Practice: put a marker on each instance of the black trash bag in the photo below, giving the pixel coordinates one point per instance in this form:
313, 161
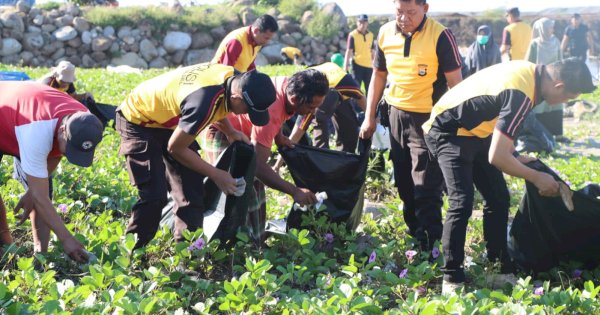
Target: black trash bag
545, 233
534, 137
340, 174
105, 112
224, 214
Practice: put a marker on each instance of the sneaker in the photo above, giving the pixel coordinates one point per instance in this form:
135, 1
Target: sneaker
450, 288
495, 281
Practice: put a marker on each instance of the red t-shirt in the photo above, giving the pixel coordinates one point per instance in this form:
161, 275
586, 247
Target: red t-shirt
30, 114
277, 116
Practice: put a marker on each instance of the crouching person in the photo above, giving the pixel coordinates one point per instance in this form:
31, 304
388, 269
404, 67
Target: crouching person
302, 94
471, 132
39, 125
158, 123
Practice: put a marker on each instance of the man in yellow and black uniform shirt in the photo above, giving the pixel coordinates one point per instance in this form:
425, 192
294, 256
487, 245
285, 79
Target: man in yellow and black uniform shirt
291, 56
483, 114
337, 107
419, 59
240, 47
158, 123
516, 36
360, 47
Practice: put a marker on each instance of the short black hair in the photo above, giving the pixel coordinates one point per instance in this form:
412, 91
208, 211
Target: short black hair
419, 2
266, 23
576, 16
514, 12
307, 84
574, 73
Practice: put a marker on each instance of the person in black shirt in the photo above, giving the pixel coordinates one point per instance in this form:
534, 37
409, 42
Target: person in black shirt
577, 39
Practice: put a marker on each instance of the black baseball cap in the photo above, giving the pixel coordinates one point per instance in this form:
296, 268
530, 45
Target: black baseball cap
258, 93
84, 132
577, 76
363, 17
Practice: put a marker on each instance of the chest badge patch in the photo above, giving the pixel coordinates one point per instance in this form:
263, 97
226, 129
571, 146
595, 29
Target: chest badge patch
422, 69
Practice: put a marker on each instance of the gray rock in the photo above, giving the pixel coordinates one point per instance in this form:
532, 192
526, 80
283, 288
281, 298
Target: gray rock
161, 51
87, 61
98, 56
148, 50
318, 48
18, 35
248, 18
23, 6
242, 3
86, 37
53, 14
333, 9
177, 57
201, 40
48, 28
11, 60
58, 54
272, 52
129, 40
297, 35
114, 48
288, 40
158, 63
195, 56
12, 20
33, 29
70, 51
124, 31
81, 24
75, 42
306, 17
306, 40
73, 10
109, 31
10, 46
130, 59
218, 32
38, 20
101, 43
286, 26
65, 33
50, 48
261, 60
74, 59
64, 20
26, 57
175, 41
34, 12
33, 41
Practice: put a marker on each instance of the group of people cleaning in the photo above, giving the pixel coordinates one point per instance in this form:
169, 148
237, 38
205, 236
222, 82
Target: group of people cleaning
444, 132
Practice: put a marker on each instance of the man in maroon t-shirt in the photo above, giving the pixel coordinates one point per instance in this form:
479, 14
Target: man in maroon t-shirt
39, 125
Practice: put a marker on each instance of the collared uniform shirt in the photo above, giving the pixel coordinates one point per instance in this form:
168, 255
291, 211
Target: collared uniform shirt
238, 50
362, 44
497, 97
190, 98
518, 36
416, 64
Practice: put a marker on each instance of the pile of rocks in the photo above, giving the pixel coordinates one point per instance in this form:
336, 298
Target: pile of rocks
34, 37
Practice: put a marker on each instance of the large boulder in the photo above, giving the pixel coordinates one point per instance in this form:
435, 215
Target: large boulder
333, 9
101, 43
195, 56
130, 59
12, 20
175, 41
33, 41
261, 60
272, 52
218, 32
201, 40
159, 63
10, 46
124, 31
148, 50
65, 33
64, 20
38, 20
23, 6
288, 40
81, 24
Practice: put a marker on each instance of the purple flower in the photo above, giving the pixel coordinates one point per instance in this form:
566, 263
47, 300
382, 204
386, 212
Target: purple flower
538, 291
63, 208
197, 245
576, 274
372, 257
421, 291
435, 253
403, 273
410, 254
329, 238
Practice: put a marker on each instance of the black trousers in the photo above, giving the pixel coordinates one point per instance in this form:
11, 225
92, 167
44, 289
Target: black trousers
464, 162
154, 173
362, 75
344, 121
417, 176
